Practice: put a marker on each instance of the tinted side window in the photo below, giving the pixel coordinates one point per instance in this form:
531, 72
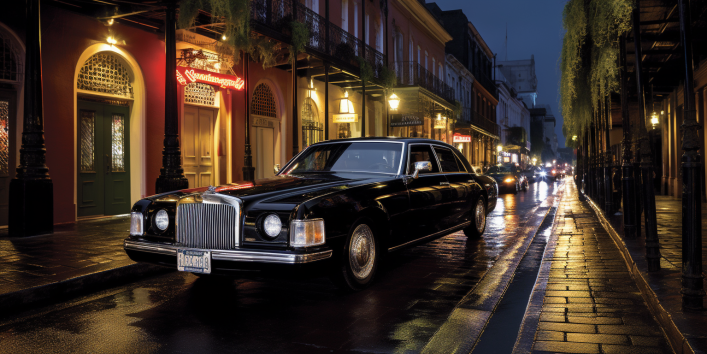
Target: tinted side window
447, 160
422, 152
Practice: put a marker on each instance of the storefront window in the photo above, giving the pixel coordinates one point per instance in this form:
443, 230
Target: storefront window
312, 129
4, 138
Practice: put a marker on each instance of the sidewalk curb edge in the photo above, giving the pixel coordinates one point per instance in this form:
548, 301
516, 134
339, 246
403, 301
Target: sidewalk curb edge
677, 340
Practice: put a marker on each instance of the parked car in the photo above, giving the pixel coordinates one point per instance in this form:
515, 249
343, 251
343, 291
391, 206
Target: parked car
338, 205
509, 177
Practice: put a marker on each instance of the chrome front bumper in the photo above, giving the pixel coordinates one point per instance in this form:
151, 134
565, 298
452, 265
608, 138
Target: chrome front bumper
231, 255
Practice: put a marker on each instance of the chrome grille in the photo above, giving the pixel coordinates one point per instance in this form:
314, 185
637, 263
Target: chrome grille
210, 226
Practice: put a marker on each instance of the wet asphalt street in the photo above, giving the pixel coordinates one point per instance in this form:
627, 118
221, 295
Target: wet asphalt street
414, 294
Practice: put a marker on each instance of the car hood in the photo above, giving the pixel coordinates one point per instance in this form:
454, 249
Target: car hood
286, 189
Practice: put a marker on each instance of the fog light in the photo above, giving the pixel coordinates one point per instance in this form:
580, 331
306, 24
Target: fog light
272, 225
305, 233
136, 223
162, 220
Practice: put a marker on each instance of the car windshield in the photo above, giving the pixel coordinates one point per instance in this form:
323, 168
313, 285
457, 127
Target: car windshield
348, 157
500, 170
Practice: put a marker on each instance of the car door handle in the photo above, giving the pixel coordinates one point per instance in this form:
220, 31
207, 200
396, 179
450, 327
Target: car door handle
443, 183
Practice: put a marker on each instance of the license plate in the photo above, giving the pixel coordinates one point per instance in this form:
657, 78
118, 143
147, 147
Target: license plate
194, 261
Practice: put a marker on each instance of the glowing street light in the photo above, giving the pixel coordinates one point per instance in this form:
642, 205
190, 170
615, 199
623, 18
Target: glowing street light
394, 101
499, 147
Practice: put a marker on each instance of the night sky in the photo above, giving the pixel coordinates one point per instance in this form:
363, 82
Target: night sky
534, 27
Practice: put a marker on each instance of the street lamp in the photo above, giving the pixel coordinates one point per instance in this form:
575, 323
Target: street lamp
499, 147
394, 101
574, 138
654, 119
534, 160
554, 162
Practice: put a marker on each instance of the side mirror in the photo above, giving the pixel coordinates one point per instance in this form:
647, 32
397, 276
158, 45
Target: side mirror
421, 166
277, 168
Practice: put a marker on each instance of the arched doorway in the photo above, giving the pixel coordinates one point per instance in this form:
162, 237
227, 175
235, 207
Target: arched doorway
11, 87
265, 130
105, 105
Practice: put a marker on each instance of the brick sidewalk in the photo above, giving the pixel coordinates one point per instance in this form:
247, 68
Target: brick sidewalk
591, 303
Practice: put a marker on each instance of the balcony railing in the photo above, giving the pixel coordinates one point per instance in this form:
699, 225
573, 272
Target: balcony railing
277, 15
487, 83
484, 123
409, 73
466, 115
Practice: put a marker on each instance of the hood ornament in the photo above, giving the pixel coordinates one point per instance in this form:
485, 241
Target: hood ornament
211, 190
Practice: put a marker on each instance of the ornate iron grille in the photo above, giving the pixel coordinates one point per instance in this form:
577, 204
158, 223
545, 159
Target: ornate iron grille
200, 93
312, 129
104, 72
263, 102
88, 121
8, 60
4, 138
118, 143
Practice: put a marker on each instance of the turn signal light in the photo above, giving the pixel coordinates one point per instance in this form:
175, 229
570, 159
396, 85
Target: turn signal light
306, 233
136, 220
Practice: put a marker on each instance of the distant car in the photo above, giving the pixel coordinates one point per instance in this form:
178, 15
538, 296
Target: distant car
541, 174
339, 204
532, 174
509, 177
556, 173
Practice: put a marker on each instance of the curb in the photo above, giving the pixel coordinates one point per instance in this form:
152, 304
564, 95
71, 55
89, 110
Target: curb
531, 318
25, 299
676, 339
465, 324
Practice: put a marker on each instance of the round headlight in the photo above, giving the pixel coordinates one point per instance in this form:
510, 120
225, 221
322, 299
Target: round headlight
272, 225
162, 220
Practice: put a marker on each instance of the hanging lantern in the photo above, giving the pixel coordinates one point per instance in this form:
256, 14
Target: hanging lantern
654, 119
394, 101
574, 138
345, 105
440, 122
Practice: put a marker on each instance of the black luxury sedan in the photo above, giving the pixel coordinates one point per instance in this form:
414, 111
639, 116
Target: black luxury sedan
338, 205
509, 177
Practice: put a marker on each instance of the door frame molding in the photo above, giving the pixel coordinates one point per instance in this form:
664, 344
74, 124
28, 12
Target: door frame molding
19, 88
137, 120
281, 135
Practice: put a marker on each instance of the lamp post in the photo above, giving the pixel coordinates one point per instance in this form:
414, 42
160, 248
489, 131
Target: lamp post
31, 191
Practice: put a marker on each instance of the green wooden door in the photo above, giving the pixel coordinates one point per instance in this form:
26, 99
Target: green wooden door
104, 159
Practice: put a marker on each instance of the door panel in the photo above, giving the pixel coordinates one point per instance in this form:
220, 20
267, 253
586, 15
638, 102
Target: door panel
117, 163
7, 160
103, 154
265, 155
429, 194
91, 173
458, 210
197, 145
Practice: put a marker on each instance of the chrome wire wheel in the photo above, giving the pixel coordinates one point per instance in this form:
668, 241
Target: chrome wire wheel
480, 216
362, 252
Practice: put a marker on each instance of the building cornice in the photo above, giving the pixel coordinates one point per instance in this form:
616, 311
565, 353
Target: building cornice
425, 18
481, 40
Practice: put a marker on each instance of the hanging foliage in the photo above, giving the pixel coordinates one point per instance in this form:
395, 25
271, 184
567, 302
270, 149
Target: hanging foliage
300, 37
588, 63
234, 15
388, 77
366, 70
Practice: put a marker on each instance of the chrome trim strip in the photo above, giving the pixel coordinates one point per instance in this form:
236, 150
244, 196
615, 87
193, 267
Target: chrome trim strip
436, 234
232, 255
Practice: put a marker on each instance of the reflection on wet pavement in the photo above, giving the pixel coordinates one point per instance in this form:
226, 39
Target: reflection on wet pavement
178, 312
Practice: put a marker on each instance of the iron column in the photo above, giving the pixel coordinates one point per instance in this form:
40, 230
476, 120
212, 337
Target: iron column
32, 190
652, 245
692, 288
627, 188
171, 174
248, 169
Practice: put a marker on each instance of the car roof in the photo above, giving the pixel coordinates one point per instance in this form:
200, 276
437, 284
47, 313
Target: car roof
387, 139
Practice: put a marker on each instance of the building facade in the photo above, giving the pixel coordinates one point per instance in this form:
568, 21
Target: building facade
104, 92
513, 118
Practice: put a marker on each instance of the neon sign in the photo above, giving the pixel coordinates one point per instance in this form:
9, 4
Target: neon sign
186, 75
459, 138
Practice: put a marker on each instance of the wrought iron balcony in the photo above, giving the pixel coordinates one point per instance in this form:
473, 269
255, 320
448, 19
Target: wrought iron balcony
409, 73
276, 16
484, 123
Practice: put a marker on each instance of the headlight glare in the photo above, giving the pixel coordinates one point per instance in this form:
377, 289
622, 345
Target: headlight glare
136, 223
162, 220
272, 225
508, 180
305, 233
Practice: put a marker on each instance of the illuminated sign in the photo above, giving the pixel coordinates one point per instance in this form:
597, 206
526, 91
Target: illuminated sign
186, 75
459, 138
406, 120
345, 118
